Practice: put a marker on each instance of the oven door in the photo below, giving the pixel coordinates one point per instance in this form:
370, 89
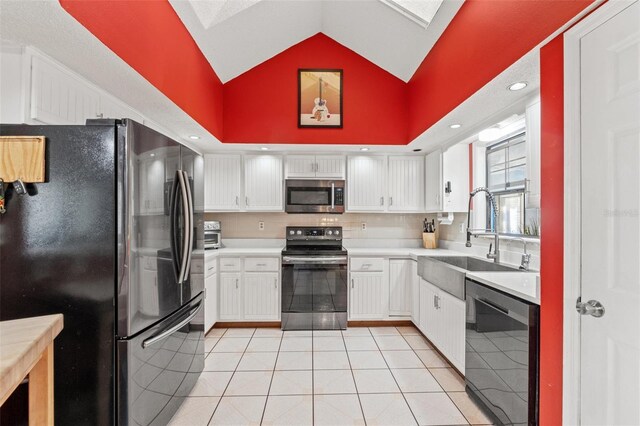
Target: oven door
314, 196
314, 293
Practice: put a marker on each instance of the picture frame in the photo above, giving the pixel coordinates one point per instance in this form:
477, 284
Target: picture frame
320, 98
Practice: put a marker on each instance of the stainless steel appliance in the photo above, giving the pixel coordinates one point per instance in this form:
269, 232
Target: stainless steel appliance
314, 279
502, 350
115, 264
314, 196
212, 234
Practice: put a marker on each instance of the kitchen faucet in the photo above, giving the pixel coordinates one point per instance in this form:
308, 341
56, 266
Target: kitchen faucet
494, 227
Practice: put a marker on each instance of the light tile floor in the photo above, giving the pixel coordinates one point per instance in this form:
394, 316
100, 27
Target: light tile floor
360, 376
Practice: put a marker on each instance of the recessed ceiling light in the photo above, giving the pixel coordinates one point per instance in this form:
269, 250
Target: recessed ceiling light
152, 154
264, 148
194, 137
455, 126
518, 86
364, 149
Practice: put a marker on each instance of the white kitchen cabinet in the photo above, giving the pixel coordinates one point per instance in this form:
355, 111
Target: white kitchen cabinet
366, 183
400, 284
229, 297
415, 294
406, 183
263, 183
261, 296
58, 97
442, 320
315, 166
222, 182
369, 296
111, 108
447, 180
210, 301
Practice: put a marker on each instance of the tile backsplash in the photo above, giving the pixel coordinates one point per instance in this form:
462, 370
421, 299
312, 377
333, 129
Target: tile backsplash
377, 225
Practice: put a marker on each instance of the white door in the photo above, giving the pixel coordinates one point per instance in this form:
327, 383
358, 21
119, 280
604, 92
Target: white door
433, 181
610, 202
428, 310
230, 306
451, 338
455, 177
366, 183
261, 301
368, 296
415, 294
222, 179
400, 286
406, 183
330, 166
210, 301
263, 183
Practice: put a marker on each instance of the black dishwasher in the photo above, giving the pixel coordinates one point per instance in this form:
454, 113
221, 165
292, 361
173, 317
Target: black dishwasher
502, 348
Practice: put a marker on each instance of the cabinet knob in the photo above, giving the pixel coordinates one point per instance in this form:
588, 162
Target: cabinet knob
382, 201
236, 283
275, 282
352, 284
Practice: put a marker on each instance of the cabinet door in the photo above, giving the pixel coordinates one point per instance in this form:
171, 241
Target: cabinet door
415, 294
369, 296
406, 183
366, 183
400, 280
455, 172
428, 310
230, 304
330, 166
451, 336
300, 166
433, 182
210, 301
222, 177
58, 97
261, 301
264, 184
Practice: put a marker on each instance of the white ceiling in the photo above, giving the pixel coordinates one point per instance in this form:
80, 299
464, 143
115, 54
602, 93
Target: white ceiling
259, 30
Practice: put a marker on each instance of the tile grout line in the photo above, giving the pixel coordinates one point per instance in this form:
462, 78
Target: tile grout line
273, 373
232, 374
219, 399
355, 384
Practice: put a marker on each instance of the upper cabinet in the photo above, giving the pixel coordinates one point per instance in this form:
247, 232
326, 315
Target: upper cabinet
222, 182
447, 180
366, 183
263, 183
406, 183
315, 166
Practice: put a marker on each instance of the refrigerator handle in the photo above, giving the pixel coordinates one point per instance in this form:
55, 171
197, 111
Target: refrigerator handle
173, 223
187, 226
189, 233
153, 339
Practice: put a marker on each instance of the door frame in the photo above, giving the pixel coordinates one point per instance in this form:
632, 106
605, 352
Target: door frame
572, 201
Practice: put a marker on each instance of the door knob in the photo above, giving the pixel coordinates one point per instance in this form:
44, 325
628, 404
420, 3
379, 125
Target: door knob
592, 307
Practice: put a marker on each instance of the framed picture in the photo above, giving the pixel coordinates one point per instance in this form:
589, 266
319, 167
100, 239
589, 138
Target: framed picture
320, 98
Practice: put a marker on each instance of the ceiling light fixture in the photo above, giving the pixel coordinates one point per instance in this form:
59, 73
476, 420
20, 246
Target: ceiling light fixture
194, 137
364, 149
455, 126
264, 148
518, 86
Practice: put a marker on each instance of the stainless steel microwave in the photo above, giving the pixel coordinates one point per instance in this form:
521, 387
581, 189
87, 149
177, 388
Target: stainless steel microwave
314, 196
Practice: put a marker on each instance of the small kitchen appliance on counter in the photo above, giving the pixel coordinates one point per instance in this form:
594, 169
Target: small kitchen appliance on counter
314, 279
212, 234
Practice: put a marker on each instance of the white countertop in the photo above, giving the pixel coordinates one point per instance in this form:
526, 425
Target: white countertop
524, 285
243, 251
411, 252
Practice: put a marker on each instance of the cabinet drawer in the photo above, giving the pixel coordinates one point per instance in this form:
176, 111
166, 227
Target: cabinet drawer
230, 264
367, 264
259, 264
210, 267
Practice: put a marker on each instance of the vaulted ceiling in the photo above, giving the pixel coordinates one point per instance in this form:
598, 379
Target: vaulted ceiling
237, 35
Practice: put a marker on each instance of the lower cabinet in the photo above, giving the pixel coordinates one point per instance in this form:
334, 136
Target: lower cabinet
415, 293
249, 289
369, 298
442, 320
210, 301
400, 279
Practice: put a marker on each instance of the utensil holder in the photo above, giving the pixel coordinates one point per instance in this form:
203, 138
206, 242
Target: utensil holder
429, 240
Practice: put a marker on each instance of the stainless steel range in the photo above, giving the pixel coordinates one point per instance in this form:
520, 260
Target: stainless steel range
314, 279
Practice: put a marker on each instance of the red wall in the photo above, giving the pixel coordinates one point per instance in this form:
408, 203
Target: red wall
484, 39
151, 38
260, 106
552, 241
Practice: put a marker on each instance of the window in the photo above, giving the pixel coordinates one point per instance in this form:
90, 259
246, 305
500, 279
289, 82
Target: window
506, 179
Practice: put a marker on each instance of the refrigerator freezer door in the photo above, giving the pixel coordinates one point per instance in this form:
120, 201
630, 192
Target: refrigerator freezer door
158, 368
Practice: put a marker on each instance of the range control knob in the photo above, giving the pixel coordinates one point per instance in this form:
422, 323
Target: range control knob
329, 232
299, 232
291, 232
337, 232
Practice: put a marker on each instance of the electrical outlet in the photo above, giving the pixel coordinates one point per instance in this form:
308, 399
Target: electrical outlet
364, 226
462, 228
261, 226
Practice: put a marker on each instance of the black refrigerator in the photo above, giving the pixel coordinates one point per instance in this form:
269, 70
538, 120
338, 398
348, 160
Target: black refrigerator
108, 240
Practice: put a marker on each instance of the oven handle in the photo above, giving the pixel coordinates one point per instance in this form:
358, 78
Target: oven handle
493, 305
341, 260
333, 195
